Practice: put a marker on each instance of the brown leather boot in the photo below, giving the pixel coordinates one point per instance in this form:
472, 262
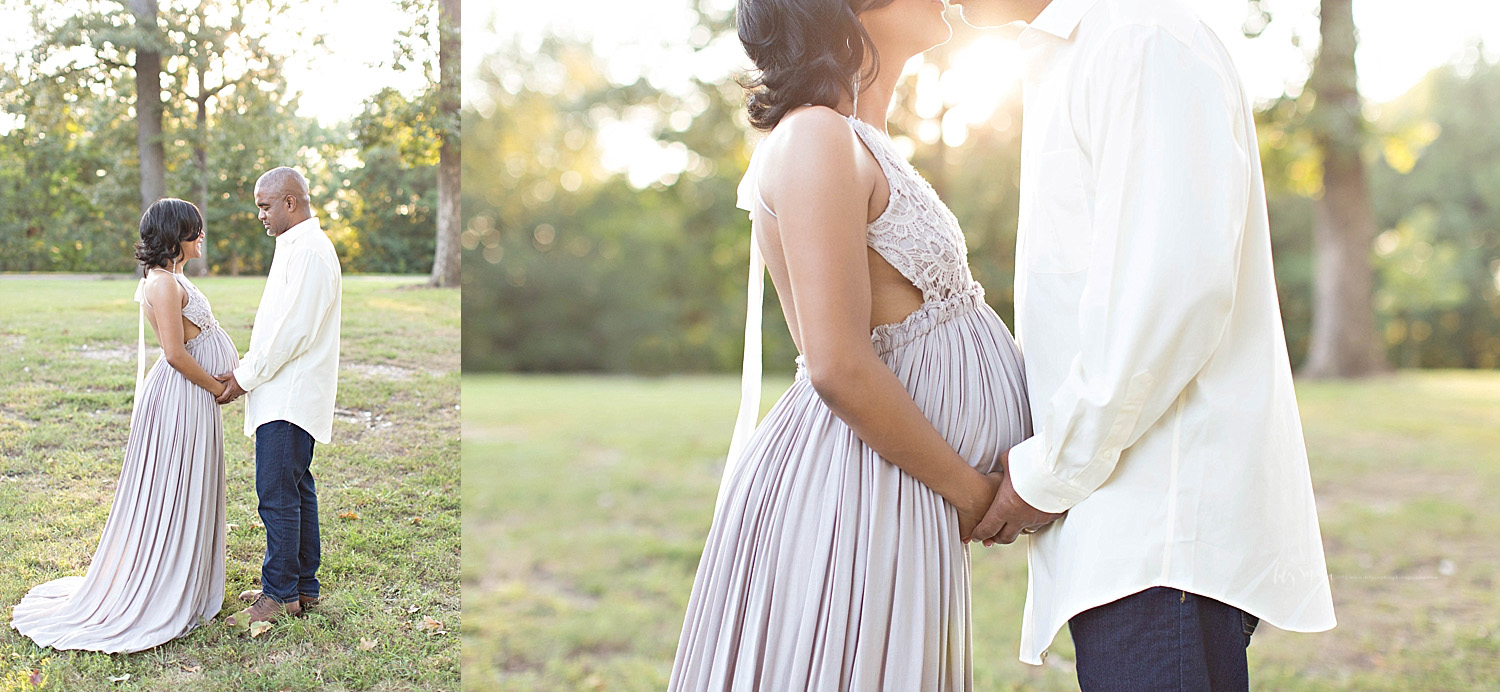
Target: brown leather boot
304, 600
264, 609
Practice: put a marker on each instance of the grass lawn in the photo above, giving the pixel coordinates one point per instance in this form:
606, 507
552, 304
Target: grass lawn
587, 501
387, 486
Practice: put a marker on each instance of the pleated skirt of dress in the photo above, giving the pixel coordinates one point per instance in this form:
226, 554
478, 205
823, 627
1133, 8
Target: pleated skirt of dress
159, 569
828, 568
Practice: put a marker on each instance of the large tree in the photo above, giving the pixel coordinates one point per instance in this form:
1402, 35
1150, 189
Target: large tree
220, 54
445, 263
1344, 341
179, 55
426, 128
147, 44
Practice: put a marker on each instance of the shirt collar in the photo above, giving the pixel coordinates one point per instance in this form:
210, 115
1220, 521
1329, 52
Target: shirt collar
1059, 18
291, 235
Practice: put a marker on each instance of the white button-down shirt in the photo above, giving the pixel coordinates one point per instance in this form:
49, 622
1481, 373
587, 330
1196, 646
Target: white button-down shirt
291, 371
1166, 423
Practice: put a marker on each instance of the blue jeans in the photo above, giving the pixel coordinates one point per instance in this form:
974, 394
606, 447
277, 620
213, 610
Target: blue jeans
289, 510
1162, 640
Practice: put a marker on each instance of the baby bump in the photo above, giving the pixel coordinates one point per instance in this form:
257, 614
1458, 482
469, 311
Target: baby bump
214, 351
966, 375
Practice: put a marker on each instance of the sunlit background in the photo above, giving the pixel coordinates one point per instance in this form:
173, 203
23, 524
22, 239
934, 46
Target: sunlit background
661, 41
604, 289
572, 100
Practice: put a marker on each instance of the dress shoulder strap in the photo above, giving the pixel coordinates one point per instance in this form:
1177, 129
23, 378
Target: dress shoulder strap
881, 148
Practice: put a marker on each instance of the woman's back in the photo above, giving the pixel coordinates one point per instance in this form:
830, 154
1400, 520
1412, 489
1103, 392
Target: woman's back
914, 248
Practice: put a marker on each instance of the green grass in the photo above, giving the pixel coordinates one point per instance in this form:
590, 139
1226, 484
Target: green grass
67, 374
587, 501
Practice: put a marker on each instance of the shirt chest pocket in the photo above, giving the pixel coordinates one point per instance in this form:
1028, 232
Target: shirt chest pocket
1061, 241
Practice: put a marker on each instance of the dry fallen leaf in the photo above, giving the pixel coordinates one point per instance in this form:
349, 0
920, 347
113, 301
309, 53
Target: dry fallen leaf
190, 669
348, 515
413, 609
367, 644
122, 677
231, 527
259, 628
418, 520
430, 626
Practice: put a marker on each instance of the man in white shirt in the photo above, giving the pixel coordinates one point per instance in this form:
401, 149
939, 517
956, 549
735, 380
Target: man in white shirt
290, 375
1167, 483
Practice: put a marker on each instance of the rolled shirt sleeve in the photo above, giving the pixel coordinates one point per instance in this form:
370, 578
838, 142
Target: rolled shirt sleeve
1167, 148
310, 294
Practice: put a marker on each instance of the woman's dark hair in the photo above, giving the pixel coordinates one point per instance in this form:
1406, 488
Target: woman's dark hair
806, 52
165, 226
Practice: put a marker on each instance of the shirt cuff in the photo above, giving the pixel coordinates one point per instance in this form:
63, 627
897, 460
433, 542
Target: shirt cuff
246, 378
1035, 485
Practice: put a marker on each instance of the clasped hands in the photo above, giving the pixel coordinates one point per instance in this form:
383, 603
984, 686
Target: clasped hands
1007, 517
232, 389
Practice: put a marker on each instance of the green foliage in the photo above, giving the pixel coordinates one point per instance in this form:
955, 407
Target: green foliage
1439, 258
571, 267
69, 179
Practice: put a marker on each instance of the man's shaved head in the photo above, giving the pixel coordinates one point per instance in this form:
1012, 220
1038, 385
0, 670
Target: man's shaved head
283, 198
285, 181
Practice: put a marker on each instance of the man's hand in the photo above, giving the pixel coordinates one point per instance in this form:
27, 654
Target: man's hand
232, 388
1009, 515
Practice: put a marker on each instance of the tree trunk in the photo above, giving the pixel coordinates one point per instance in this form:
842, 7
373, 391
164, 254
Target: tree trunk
200, 158
445, 264
1343, 340
148, 107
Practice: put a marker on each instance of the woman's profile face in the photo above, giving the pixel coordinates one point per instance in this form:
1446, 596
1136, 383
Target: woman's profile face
907, 26
193, 249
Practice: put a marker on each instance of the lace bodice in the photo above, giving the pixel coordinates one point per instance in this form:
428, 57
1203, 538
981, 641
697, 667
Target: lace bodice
197, 310
916, 233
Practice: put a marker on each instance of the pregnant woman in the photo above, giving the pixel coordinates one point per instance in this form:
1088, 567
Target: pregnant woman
159, 569
837, 557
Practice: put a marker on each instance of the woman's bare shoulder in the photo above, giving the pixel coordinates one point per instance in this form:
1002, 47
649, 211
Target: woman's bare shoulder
816, 128
162, 288
816, 141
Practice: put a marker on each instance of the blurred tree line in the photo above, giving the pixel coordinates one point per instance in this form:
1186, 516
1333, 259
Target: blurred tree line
569, 267
76, 162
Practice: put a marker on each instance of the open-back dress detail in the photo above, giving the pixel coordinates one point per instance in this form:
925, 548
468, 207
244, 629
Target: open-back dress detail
827, 567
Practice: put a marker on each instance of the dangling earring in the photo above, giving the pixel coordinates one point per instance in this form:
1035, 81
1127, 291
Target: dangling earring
857, 82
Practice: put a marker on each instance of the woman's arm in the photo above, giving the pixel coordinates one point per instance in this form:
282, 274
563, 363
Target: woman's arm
165, 297
821, 203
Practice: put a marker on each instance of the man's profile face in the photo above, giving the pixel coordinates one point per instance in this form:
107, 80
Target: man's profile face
275, 211
993, 13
